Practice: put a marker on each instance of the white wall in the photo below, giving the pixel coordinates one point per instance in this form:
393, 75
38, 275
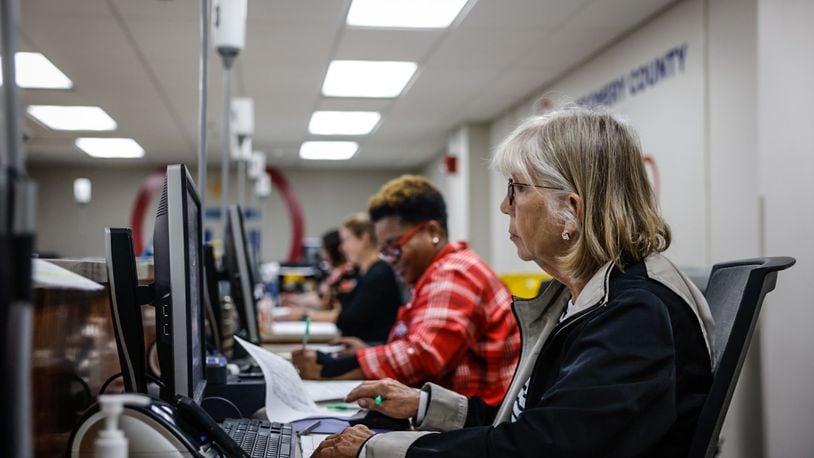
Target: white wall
733, 195
786, 135
326, 198
466, 191
669, 116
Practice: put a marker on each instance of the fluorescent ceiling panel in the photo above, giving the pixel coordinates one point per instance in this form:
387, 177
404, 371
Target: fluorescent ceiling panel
424, 14
367, 78
72, 117
110, 147
330, 151
343, 122
35, 71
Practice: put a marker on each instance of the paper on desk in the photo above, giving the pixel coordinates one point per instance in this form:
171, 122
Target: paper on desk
286, 396
329, 390
297, 329
53, 276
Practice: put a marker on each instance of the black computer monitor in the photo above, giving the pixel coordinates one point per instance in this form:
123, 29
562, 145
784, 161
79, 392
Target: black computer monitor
236, 264
178, 287
125, 307
214, 306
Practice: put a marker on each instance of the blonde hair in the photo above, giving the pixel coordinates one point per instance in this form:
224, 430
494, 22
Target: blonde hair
592, 154
359, 224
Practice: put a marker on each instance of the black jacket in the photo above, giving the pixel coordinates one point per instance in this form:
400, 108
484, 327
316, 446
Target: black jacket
621, 378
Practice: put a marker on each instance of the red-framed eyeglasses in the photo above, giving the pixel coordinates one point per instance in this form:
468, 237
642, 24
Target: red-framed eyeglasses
391, 252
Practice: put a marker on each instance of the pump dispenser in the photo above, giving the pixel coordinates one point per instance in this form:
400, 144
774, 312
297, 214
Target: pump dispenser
111, 442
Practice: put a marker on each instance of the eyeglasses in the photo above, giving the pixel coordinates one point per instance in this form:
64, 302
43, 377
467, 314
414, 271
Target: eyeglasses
391, 252
510, 192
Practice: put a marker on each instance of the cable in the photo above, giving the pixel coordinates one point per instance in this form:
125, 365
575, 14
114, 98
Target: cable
156, 380
85, 388
108, 382
218, 398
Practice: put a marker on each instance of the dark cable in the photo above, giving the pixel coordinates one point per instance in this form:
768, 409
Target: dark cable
238, 413
108, 382
156, 380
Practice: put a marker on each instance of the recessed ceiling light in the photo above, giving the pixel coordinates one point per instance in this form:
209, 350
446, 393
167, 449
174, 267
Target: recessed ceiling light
35, 71
367, 78
72, 117
110, 147
343, 122
331, 151
425, 14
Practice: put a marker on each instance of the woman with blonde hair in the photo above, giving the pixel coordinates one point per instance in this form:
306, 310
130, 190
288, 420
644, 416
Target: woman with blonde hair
616, 352
370, 311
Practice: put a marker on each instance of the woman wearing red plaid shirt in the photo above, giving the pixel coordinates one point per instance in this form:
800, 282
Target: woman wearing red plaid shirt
458, 330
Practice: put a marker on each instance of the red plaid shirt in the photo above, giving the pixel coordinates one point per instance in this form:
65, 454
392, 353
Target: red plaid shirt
458, 331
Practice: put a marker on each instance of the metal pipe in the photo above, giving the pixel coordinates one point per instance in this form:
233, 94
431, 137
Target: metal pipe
241, 182
203, 66
227, 134
14, 153
17, 212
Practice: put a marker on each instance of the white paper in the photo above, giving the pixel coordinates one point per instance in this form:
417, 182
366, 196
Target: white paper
286, 396
329, 390
52, 276
318, 329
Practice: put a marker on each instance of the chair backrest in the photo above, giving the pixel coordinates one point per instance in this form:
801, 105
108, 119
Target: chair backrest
735, 294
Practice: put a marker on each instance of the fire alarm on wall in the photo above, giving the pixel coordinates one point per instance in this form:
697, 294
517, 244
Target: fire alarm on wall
451, 164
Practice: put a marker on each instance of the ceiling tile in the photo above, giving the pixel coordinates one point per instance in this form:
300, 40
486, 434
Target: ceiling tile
377, 44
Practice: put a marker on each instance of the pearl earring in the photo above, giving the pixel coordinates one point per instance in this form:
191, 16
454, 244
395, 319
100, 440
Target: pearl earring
565, 235
435, 240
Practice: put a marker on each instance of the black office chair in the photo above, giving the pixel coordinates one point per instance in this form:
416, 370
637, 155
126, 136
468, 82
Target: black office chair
735, 293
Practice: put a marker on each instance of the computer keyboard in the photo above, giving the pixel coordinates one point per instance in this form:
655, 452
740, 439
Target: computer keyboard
261, 439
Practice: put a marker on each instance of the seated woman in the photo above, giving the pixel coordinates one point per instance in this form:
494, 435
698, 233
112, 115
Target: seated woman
457, 331
335, 288
616, 352
370, 311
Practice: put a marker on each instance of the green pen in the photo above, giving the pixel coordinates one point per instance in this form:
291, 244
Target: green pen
378, 399
307, 332
339, 407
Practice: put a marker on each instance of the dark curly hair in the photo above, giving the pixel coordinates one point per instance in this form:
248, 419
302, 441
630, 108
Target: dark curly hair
411, 198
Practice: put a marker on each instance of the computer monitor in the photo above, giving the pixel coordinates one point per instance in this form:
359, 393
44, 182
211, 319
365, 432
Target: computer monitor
236, 264
178, 285
125, 307
214, 306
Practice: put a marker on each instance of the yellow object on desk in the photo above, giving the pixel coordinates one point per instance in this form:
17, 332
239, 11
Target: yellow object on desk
524, 285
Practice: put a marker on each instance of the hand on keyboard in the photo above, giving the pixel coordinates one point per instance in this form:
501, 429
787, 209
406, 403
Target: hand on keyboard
344, 444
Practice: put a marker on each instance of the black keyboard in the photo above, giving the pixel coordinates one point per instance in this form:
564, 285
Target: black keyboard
262, 439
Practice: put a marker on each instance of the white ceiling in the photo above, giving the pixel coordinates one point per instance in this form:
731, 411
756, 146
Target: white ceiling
138, 60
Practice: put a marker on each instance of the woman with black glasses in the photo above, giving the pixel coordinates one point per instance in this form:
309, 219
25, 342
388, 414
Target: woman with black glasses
616, 352
457, 331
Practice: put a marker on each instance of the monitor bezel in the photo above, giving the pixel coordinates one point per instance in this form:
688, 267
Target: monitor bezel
179, 188
245, 274
125, 307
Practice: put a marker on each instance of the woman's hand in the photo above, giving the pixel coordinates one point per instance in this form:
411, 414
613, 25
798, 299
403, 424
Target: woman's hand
352, 344
397, 400
344, 444
306, 363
